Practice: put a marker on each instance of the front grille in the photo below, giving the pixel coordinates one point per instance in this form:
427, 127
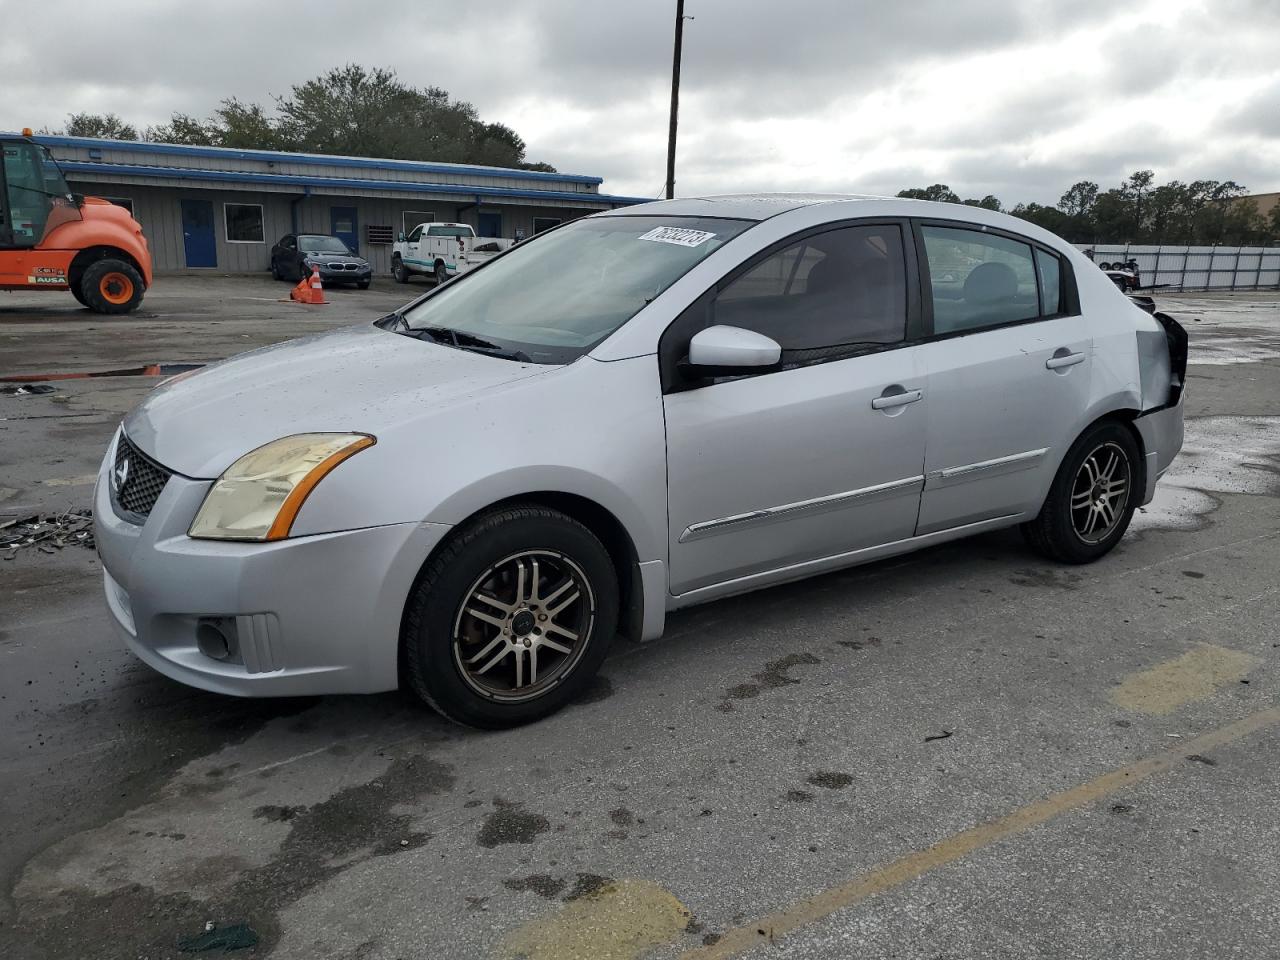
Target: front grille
136, 480
343, 266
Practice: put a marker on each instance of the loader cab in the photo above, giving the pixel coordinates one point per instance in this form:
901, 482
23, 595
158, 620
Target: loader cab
34, 197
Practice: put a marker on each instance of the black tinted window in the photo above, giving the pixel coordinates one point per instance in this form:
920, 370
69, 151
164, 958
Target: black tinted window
824, 295
979, 279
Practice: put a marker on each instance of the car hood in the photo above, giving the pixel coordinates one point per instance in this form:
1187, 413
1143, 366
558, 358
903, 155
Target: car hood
357, 379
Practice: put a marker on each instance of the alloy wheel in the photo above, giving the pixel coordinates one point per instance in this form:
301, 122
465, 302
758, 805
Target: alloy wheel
1100, 493
523, 625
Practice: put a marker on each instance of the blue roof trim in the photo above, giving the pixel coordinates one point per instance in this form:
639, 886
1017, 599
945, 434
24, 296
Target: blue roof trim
321, 159
287, 180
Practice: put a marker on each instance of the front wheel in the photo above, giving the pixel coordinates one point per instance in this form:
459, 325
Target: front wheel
1092, 498
363, 284
111, 286
399, 271
511, 619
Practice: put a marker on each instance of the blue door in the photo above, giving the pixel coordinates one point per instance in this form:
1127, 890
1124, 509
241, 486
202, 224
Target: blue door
197, 233
342, 224
489, 224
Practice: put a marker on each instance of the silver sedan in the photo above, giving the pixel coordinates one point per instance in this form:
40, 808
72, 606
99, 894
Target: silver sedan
629, 414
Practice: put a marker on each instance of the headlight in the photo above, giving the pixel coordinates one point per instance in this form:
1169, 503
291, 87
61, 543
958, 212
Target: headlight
258, 496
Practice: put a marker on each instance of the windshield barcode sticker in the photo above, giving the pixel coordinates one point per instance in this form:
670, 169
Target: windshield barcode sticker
680, 236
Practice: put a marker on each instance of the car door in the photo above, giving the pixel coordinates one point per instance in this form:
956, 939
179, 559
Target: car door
1009, 363
412, 249
770, 472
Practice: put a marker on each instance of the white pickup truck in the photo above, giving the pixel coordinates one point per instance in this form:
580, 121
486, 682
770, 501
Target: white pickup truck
441, 251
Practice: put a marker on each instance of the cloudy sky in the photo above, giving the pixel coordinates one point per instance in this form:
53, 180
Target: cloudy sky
1019, 98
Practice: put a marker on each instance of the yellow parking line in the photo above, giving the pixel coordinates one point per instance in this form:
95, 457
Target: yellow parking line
1195, 675
913, 865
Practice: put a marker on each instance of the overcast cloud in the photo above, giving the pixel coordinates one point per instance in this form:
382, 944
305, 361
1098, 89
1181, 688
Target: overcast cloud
1019, 98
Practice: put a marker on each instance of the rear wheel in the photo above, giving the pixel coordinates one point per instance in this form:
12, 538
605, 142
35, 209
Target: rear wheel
1092, 498
441, 273
399, 271
275, 271
111, 286
77, 292
511, 619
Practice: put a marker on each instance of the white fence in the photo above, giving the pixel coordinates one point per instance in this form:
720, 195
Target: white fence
1196, 268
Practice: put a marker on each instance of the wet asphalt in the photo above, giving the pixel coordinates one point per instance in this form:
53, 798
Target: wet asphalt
967, 752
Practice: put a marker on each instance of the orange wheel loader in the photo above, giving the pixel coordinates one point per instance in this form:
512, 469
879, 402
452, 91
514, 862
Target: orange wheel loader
52, 239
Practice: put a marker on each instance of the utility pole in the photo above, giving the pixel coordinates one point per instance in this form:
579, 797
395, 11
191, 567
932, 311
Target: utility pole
675, 101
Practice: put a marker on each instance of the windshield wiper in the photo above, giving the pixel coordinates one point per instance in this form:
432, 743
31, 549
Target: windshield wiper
466, 341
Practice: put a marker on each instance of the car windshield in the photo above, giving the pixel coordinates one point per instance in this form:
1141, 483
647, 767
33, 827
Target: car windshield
551, 299
322, 245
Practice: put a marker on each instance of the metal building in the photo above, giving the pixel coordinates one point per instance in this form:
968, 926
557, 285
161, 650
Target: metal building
218, 208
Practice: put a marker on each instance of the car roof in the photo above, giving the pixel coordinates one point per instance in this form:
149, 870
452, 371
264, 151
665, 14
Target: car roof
762, 206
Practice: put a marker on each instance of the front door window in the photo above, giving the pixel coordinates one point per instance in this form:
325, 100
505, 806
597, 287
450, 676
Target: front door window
35, 196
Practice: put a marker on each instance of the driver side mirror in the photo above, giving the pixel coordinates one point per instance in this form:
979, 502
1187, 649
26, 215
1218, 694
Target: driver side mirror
400, 238
723, 351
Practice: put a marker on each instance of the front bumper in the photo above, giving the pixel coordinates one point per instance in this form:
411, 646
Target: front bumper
313, 615
1161, 432
346, 276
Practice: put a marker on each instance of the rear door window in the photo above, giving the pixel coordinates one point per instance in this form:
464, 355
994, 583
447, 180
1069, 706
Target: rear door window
979, 279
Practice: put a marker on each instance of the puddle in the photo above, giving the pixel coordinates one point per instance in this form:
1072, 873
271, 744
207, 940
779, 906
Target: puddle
1219, 455
1220, 351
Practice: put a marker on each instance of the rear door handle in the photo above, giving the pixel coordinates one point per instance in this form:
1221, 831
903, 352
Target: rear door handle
888, 400
1062, 359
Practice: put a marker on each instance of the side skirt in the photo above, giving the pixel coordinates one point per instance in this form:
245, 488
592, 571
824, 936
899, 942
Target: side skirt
809, 568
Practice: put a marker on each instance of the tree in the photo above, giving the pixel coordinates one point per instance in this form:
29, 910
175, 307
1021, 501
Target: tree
939, 191
989, 202
1079, 199
183, 128
350, 110
1050, 218
106, 125
1136, 186
247, 126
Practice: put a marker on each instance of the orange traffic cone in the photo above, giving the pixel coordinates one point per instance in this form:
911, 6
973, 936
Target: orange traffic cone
309, 289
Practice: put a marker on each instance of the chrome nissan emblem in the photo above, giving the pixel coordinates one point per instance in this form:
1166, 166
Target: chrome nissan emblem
119, 475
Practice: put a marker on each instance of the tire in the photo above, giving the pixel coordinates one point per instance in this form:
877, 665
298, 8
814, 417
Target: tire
363, 284
111, 286
1105, 265
442, 275
1064, 533
275, 271
77, 292
447, 651
399, 271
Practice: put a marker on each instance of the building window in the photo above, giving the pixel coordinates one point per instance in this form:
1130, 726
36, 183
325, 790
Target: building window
244, 223
545, 223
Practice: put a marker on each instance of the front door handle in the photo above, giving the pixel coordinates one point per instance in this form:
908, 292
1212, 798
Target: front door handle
1062, 358
887, 400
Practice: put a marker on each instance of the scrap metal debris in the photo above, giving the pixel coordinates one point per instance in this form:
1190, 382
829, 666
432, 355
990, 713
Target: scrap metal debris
938, 736
27, 388
47, 532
